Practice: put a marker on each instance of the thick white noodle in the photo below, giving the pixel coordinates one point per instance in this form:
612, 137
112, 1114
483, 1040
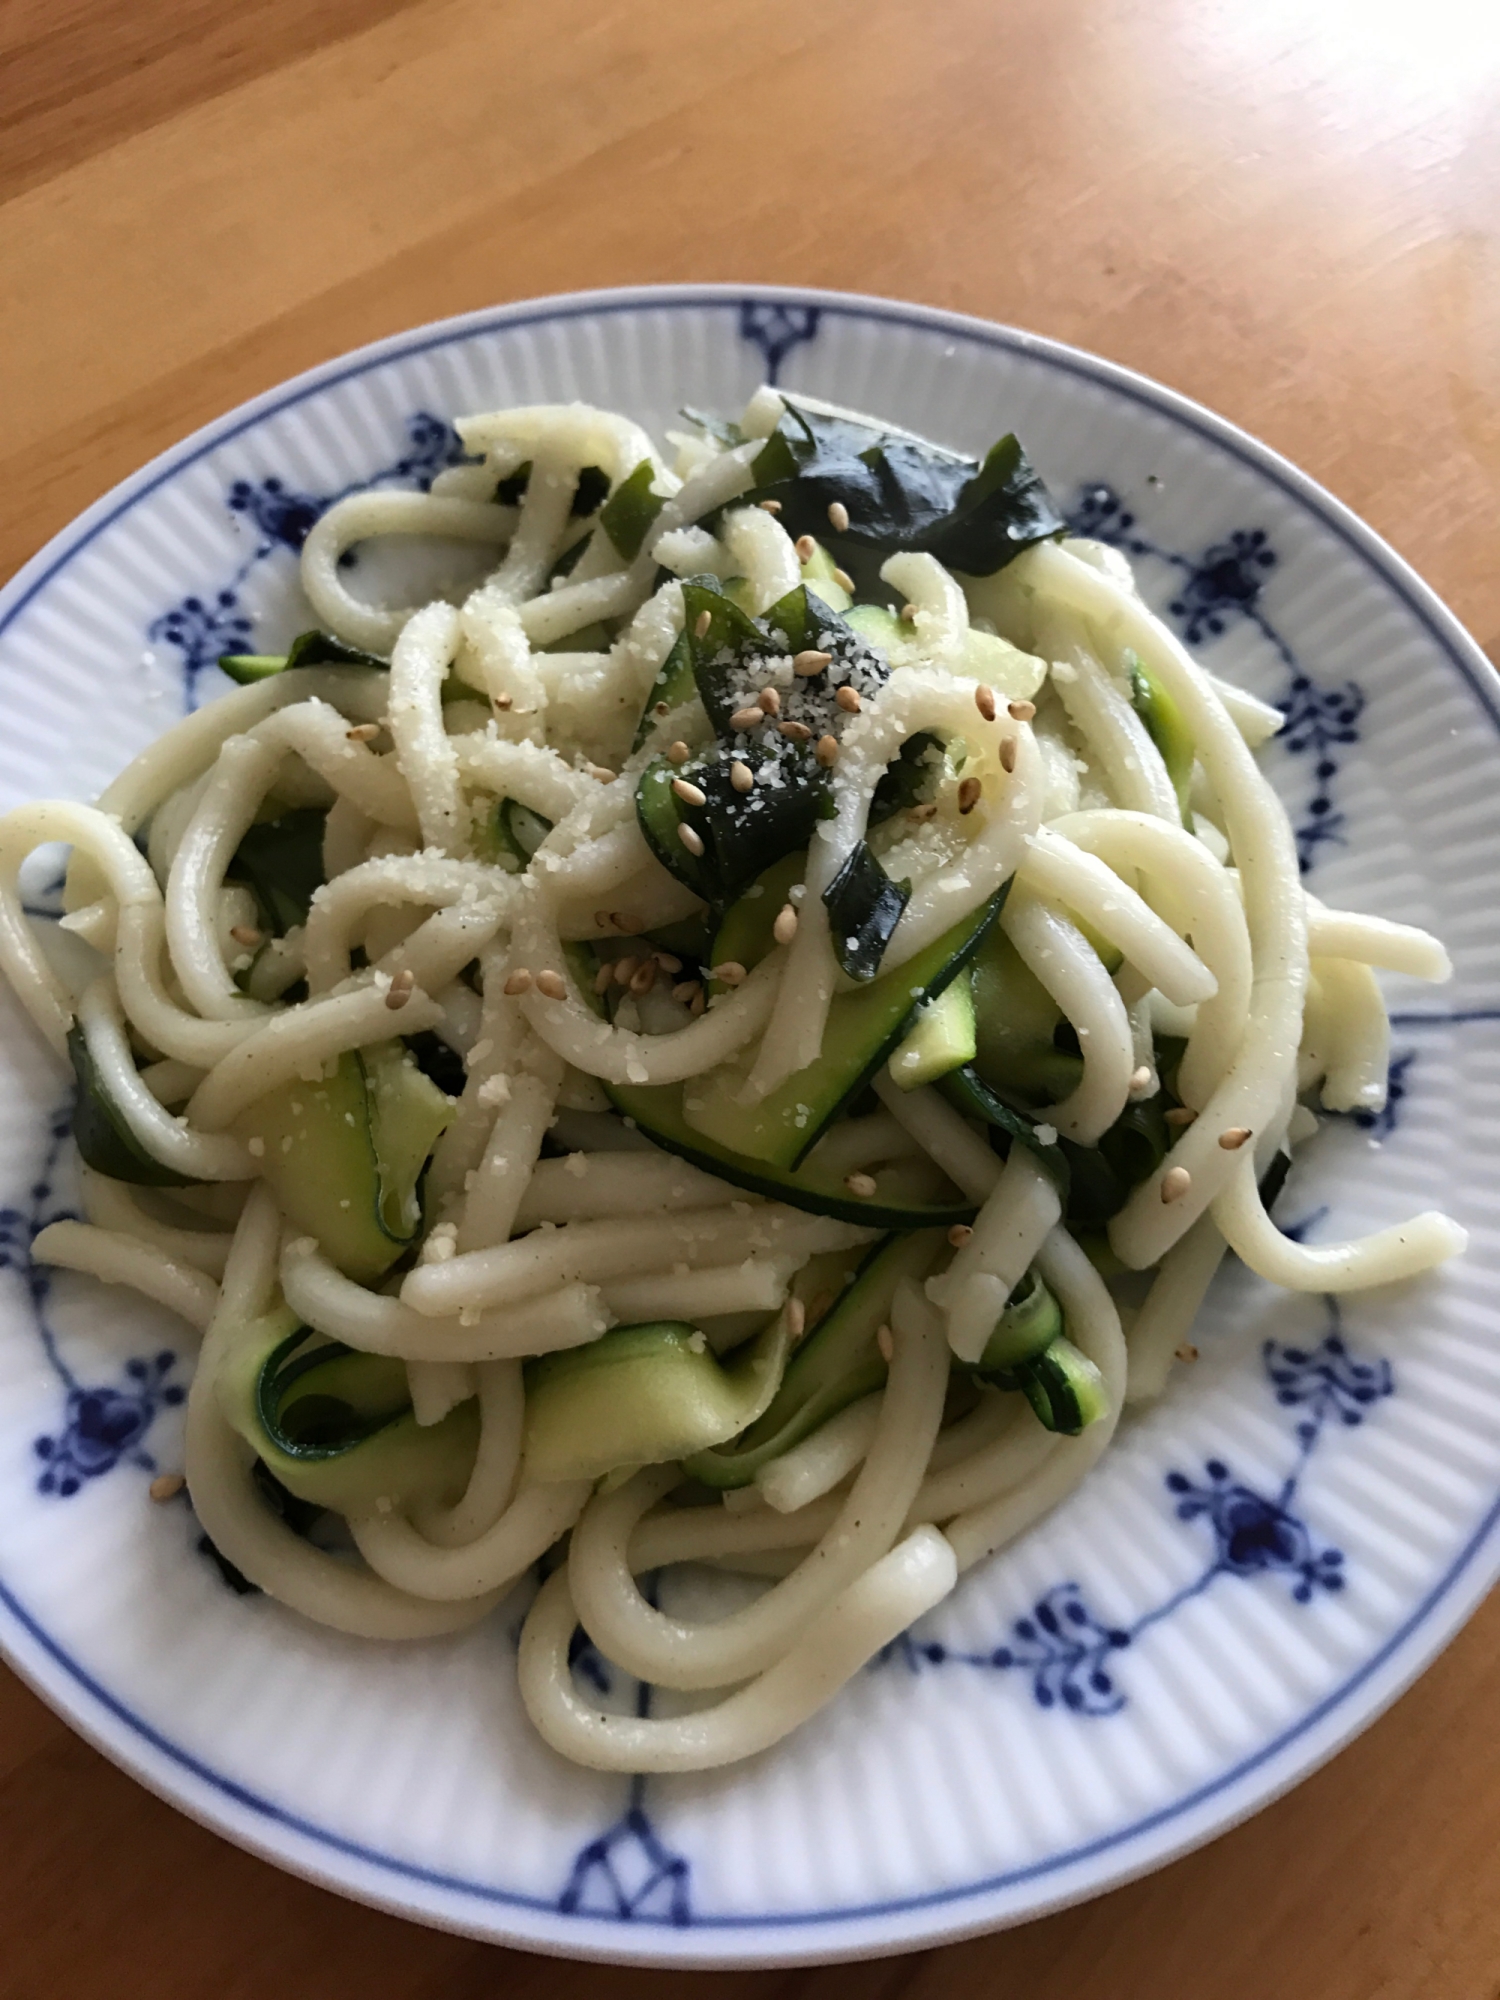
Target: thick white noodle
942, 1134
111, 1205
822, 1461
127, 1260
588, 1187
1346, 1035
497, 1461
1375, 941
1057, 871
1009, 1231
200, 1156
1400, 1251
1100, 709
1170, 1307
365, 515
757, 1285
493, 1561
672, 1653
500, 1179
419, 667
1066, 964
340, 906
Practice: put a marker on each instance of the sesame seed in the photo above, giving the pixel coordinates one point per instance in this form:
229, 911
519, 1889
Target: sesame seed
796, 1318
245, 934
604, 975
769, 699
1180, 1115
984, 701
363, 732
1175, 1183
885, 1340
678, 753
519, 982
844, 580
795, 732
625, 968
1008, 754
968, 795
691, 839
698, 1002
502, 701
693, 794
603, 773
838, 516
685, 991
1020, 711
668, 961
744, 719
827, 752
862, 1185
602, 920
730, 973
806, 548
400, 989
770, 506
848, 700
959, 1235
167, 1486
662, 708
1235, 1137
909, 613
1187, 1352
551, 986
741, 776
644, 978
701, 624
924, 812
810, 662
785, 927
1140, 1079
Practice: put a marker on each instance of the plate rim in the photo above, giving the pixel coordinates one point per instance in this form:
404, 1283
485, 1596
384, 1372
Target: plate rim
944, 1915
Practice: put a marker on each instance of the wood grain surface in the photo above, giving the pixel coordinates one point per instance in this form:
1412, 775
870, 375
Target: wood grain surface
1286, 208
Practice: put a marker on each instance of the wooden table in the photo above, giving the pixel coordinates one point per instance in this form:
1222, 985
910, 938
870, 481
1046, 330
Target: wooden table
1295, 224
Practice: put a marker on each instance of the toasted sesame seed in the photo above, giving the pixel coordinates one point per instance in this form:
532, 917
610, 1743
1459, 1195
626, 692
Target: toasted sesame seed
848, 700
551, 985
885, 1340
698, 1002
684, 991
693, 794
984, 701
770, 506
909, 613
862, 1185
1175, 1183
968, 795
844, 580
796, 1318
827, 752
959, 1235
678, 753
1020, 711
838, 517
400, 989
1180, 1115
518, 982
662, 708
795, 732
1187, 1352
602, 773
644, 978
363, 732
1235, 1137
691, 839
602, 920
604, 975
926, 811
625, 968
810, 662
502, 701
745, 719
166, 1486
769, 699
1140, 1079
245, 934
701, 624
785, 927
730, 973
1008, 754
806, 548
741, 776
668, 961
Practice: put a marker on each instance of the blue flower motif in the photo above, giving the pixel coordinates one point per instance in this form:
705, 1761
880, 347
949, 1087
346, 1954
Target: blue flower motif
201, 629
281, 516
1064, 1647
1327, 1381
1225, 581
102, 1425
1321, 721
776, 330
1254, 1534
628, 1872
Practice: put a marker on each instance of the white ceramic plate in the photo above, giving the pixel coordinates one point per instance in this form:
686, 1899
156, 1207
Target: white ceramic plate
1263, 1561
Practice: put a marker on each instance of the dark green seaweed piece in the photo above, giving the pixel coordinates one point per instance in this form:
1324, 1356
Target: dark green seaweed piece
864, 907
281, 862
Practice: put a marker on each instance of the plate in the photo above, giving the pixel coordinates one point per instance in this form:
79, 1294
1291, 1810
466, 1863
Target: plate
1265, 1558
